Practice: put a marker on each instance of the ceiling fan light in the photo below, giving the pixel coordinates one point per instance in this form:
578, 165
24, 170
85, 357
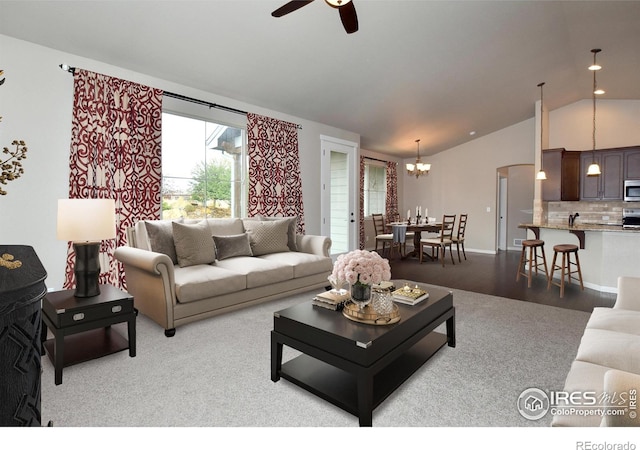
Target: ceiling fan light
593, 170
595, 67
599, 91
541, 175
337, 3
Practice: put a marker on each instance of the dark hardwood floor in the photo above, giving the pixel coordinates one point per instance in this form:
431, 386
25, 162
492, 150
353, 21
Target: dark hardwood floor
496, 275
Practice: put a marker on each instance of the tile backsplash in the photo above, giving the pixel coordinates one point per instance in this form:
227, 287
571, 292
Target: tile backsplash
602, 212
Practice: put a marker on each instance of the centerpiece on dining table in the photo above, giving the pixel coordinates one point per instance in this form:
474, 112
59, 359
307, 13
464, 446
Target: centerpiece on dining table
361, 269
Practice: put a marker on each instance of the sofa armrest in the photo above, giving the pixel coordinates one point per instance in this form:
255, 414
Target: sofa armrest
150, 279
628, 293
625, 385
314, 244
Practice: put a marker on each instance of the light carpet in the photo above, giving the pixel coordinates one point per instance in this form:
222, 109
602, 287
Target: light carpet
216, 373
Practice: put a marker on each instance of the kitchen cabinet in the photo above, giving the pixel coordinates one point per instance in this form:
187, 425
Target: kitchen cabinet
563, 175
609, 184
632, 164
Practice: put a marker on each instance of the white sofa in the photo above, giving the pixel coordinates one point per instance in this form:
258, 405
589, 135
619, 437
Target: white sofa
182, 271
606, 370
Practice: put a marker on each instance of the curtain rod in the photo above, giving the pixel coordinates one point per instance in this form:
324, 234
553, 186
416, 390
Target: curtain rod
185, 98
376, 159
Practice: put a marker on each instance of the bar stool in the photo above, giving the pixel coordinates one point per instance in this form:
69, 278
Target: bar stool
566, 250
532, 245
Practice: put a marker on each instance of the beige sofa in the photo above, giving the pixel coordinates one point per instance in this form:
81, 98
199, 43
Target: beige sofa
182, 271
605, 376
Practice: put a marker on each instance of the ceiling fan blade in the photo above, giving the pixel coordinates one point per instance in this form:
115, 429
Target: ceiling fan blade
290, 7
349, 17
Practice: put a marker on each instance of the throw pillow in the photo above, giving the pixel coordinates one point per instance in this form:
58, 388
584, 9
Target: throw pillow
194, 244
267, 236
160, 234
234, 245
291, 231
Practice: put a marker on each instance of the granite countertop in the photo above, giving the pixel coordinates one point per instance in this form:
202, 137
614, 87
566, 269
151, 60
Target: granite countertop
582, 227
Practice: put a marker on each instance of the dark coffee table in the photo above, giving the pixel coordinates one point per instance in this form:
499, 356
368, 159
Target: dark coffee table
357, 366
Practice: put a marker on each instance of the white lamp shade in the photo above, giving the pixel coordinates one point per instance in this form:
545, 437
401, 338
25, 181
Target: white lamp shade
593, 170
424, 167
411, 167
86, 220
541, 175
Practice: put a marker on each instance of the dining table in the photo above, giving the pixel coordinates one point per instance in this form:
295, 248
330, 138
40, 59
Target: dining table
400, 229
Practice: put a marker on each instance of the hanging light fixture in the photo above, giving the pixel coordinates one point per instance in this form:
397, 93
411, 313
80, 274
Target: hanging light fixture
594, 168
541, 173
418, 168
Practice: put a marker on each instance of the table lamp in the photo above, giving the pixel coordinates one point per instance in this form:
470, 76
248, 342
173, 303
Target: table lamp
86, 222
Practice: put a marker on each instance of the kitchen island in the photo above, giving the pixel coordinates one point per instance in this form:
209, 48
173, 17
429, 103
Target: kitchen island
607, 251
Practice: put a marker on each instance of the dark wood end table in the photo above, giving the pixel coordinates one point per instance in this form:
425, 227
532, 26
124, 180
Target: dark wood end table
81, 327
353, 365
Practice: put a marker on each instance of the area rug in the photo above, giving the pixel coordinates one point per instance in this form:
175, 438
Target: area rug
216, 373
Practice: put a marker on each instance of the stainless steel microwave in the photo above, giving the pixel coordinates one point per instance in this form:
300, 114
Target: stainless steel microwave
632, 190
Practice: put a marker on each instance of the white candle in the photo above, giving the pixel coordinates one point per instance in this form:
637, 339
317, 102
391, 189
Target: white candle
417, 210
408, 213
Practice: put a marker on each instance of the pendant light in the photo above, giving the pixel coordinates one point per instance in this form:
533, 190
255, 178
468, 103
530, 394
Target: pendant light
418, 168
594, 167
541, 173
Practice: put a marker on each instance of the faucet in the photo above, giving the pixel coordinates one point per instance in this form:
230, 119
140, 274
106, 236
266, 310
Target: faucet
572, 218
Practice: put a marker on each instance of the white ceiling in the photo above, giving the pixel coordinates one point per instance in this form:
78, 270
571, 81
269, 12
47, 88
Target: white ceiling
425, 70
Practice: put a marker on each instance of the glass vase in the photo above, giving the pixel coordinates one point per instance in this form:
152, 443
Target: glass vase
361, 294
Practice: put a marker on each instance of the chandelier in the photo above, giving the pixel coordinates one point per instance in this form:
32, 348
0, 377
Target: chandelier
418, 168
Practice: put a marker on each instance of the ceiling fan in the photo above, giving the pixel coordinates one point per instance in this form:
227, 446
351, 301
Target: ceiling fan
345, 7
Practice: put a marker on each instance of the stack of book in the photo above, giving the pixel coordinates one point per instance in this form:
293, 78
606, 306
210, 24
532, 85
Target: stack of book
409, 296
331, 299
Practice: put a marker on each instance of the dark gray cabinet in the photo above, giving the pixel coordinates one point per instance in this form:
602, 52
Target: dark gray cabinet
609, 184
632, 164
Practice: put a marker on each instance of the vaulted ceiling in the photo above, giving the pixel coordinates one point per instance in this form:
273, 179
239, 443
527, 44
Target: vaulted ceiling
429, 70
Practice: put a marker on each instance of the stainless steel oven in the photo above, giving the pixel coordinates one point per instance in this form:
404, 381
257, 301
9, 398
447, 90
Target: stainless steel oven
630, 218
632, 190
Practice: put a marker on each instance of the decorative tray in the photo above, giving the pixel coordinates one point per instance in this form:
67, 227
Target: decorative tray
368, 315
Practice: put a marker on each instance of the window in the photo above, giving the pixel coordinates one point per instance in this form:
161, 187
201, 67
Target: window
375, 188
203, 165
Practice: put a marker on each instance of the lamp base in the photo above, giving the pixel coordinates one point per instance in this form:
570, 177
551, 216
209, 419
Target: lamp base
87, 269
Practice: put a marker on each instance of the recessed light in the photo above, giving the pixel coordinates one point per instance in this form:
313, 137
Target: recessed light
472, 133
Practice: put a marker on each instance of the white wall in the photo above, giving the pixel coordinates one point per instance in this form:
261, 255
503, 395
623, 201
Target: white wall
36, 103
464, 180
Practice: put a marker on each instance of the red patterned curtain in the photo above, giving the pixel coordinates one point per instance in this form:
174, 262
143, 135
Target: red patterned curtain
391, 201
275, 186
361, 199
115, 153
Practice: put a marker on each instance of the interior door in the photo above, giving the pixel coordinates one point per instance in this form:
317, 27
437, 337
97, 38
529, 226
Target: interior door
339, 193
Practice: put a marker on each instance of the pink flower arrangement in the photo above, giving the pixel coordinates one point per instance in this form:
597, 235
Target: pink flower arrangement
361, 266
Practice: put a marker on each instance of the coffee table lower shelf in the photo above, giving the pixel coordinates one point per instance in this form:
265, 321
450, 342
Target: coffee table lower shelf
339, 387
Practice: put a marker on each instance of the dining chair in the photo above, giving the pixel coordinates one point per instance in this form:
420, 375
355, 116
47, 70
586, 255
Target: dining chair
459, 238
381, 236
441, 243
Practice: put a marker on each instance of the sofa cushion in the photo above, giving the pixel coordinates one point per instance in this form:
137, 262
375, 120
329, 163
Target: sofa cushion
225, 226
234, 245
611, 349
303, 264
291, 230
258, 271
268, 236
612, 319
194, 243
160, 235
205, 281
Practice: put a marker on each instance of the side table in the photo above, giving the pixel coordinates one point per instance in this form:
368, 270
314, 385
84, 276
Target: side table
81, 327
